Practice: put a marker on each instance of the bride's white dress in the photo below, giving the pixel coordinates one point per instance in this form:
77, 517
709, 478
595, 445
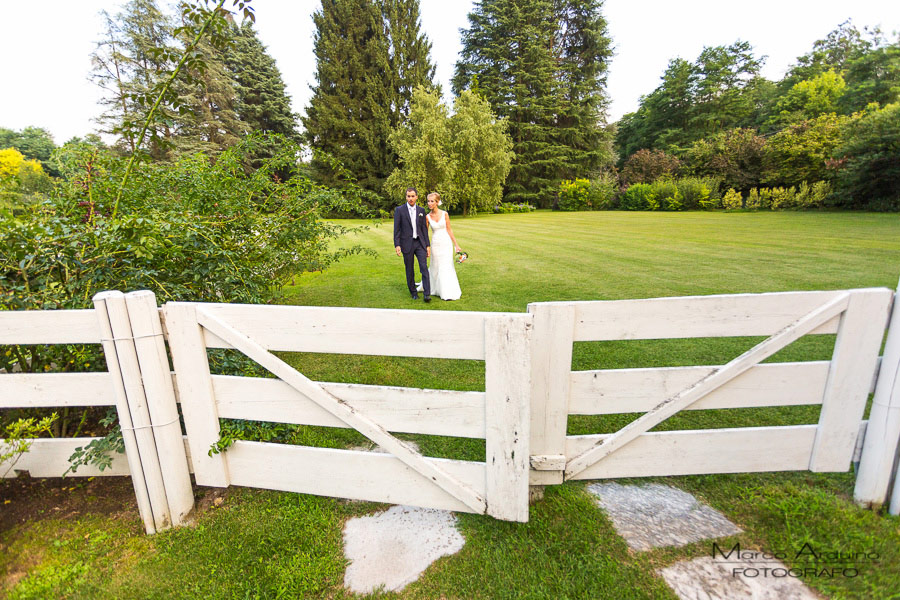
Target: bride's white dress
442, 270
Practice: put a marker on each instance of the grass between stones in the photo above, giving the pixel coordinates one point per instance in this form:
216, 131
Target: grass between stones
271, 544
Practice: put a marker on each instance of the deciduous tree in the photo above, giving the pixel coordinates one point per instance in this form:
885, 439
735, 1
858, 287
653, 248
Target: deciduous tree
465, 157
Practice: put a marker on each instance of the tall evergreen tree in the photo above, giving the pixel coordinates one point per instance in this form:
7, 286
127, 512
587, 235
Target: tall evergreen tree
584, 51
208, 122
136, 51
410, 54
262, 102
541, 64
369, 57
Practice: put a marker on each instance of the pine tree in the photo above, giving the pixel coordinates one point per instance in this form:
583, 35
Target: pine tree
584, 52
135, 53
262, 102
541, 64
409, 54
208, 123
369, 58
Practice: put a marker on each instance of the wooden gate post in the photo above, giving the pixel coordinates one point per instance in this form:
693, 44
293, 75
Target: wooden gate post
551, 373
849, 379
507, 386
156, 375
878, 460
201, 419
131, 405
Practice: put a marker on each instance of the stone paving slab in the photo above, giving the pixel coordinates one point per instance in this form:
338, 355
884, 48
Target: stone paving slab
709, 579
393, 548
655, 515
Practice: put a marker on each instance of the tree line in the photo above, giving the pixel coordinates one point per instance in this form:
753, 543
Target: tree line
834, 118
529, 110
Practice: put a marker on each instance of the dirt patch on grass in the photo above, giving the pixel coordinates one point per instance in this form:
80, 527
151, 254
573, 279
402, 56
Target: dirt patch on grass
24, 499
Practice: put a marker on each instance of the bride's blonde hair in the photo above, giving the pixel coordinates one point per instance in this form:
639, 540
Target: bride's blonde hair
436, 195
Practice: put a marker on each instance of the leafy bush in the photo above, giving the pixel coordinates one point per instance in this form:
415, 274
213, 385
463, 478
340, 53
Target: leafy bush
574, 195
736, 156
695, 191
753, 200
732, 200
508, 207
782, 198
604, 190
193, 230
190, 230
666, 195
639, 197
584, 194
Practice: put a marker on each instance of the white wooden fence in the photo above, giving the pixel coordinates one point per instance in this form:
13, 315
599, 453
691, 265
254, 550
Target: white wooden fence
530, 390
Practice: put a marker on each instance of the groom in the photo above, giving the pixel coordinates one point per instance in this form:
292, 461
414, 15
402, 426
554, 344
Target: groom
411, 240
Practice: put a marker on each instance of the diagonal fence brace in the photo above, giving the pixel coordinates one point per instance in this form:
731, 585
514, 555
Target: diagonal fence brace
715, 379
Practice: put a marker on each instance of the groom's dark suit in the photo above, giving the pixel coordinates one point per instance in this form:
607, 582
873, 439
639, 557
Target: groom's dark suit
410, 247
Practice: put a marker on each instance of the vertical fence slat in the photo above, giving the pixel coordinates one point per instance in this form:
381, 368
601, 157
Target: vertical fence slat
113, 363
554, 328
876, 466
847, 387
507, 404
198, 406
157, 379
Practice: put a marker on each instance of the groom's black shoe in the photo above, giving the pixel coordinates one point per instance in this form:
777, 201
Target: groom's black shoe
427, 298
415, 296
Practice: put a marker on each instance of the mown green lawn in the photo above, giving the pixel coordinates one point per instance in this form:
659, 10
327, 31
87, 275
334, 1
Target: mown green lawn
270, 544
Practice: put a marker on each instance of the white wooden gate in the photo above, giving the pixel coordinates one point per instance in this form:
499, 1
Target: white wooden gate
530, 390
497, 487
840, 385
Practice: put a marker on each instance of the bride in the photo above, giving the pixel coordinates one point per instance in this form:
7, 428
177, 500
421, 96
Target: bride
442, 271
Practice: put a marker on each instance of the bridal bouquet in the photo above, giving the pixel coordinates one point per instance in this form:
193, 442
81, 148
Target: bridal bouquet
461, 256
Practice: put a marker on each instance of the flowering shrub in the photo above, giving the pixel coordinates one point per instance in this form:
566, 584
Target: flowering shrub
505, 207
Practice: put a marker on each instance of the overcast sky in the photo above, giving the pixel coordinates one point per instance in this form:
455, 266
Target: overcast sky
46, 46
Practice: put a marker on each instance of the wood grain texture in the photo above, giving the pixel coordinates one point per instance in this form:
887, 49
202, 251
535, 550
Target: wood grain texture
50, 458
343, 411
408, 410
846, 391
638, 390
33, 390
553, 334
507, 420
695, 316
49, 327
667, 453
156, 378
382, 332
195, 392
369, 476
105, 302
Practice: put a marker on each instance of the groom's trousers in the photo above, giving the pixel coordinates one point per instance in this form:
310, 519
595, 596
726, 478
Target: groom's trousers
419, 253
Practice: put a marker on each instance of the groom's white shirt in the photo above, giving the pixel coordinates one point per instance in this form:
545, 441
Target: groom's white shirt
412, 219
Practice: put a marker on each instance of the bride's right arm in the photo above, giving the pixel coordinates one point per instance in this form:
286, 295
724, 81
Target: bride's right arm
450, 232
